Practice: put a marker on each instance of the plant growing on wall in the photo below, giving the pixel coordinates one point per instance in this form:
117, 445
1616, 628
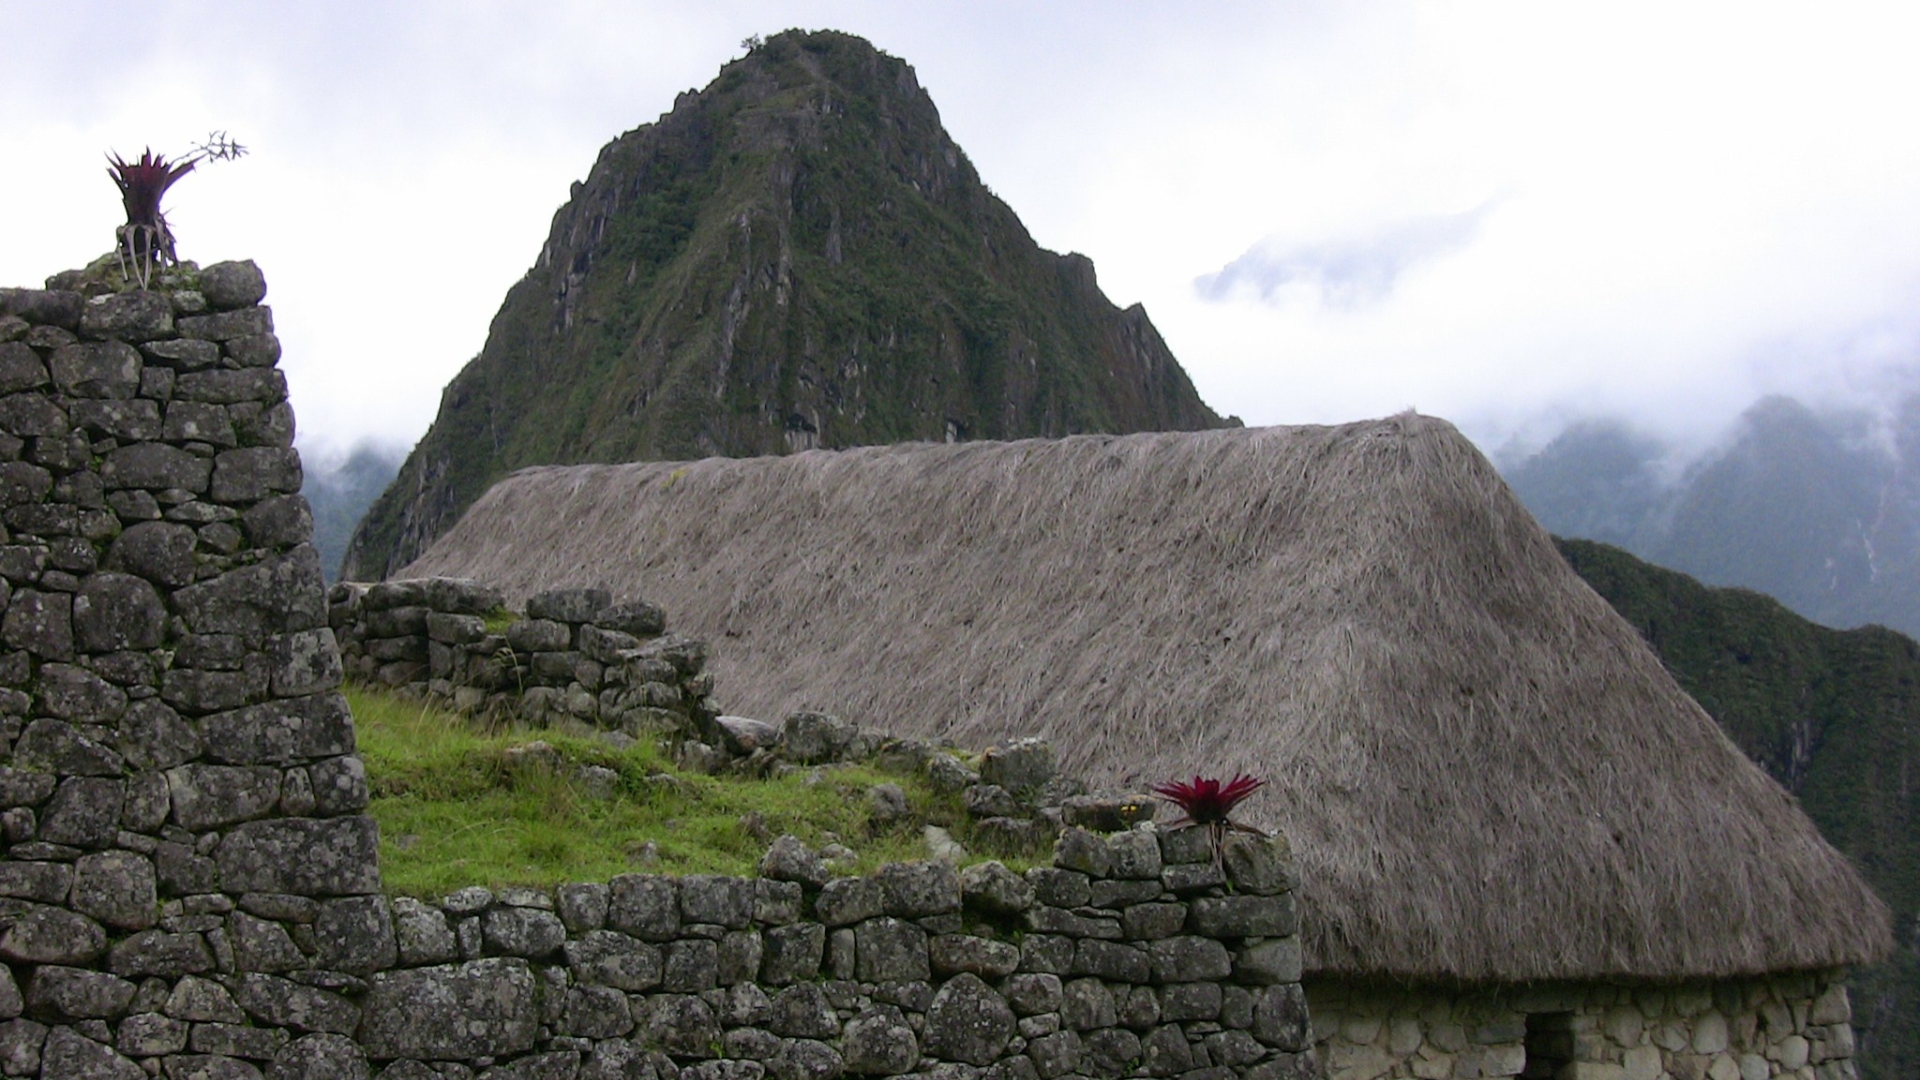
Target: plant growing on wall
145, 243
1208, 802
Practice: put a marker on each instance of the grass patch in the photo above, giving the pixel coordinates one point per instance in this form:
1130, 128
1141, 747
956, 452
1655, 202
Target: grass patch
455, 809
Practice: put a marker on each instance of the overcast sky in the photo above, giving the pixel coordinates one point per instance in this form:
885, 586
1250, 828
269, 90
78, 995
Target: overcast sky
1510, 215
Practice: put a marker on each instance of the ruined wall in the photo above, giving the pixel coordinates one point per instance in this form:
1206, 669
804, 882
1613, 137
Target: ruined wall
189, 886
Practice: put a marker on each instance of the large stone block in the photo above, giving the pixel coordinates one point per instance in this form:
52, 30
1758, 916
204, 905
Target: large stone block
84, 812
69, 1055
154, 466
303, 856
275, 596
41, 623
115, 611
280, 732
279, 1002
252, 473
968, 1022
484, 1008
608, 958
355, 934
889, 950
234, 284
60, 748
227, 325
918, 889
49, 935
644, 905
213, 796
160, 551
878, 1042
716, 899
1243, 916
117, 888
105, 369
20, 368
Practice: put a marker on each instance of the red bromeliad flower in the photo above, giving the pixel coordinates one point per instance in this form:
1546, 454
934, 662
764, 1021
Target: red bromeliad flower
145, 242
1206, 800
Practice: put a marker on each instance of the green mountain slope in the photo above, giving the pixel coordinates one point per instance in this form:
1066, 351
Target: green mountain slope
1834, 715
796, 256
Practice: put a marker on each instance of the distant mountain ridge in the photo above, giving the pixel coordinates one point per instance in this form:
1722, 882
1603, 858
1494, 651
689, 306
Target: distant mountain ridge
1833, 715
796, 256
1820, 510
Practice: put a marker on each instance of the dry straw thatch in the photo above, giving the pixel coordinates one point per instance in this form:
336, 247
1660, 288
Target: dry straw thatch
1485, 772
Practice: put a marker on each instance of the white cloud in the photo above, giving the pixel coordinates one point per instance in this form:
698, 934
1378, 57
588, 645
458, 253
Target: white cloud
1691, 204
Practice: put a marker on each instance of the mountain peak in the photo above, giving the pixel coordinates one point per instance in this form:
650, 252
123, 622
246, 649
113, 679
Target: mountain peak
798, 255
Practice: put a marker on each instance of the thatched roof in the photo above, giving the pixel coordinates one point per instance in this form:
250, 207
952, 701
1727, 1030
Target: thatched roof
1485, 772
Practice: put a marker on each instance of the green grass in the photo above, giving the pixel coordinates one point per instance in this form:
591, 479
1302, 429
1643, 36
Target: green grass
453, 810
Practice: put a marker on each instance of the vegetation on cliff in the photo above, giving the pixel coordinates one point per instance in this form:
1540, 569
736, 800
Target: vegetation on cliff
796, 256
1834, 715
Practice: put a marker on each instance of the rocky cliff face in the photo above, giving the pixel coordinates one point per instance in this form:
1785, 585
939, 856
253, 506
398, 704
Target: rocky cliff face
796, 256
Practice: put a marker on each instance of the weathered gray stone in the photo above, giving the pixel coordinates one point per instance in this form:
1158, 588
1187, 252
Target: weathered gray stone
596, 1012
19, 787
151, 1035
538, 635
1046, 953
716, 899
950, 953
202, 1001
583, 906
20, 368
743, 734
339, 786
806, 1059
227, 325
1258, 865
890, 950
228, 285
1139, 1007
1188, 878
791, 860
155, 466
1280, 1018
421, 933
84, 812
212, 796
306, 662
1135, 855
1022, 766
116, 611
1110, 1052
46, 882
644, 905
991, 887
1057, 1054
968, 1022
1082, 851
274, 596
849, 900
181, 354
249, 474
282, 732
569, 605
1059, 888
480, 1008
47, 935
1034, 993
690, 966
320, 1056
71, 993
604, 957
776, 903
739, 957
262, 945
917, 889
127, 421
524, 932
156, 953
1190, 1001
107, 369
1147, 922
811, 738
69, 1055
23, 483
279, 522
117, 888
355, 934
948, 774
792, 953
1164, 1052
1052, 920
279, 1002
682, 1025
1189, 959
59, 747
196, 692
1086, 1005
801, 1011
307, 857
1110, 960
160, 551
1243, 916
878, 1042
1275, 960
41, 623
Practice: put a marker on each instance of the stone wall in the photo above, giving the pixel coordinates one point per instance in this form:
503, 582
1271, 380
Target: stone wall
577, 659
189, 886
1795, 1025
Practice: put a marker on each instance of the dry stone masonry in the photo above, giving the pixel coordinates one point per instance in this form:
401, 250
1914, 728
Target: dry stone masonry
190, 886
1789, 1025
577, 658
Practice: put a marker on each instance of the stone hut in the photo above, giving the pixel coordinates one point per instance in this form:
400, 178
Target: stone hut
1524, 850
